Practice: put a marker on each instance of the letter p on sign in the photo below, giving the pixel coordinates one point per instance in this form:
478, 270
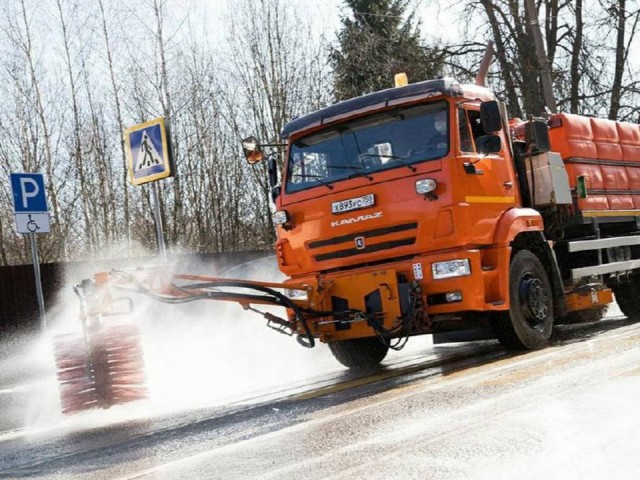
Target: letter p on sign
29, 188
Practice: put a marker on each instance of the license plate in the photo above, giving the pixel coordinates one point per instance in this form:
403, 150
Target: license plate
353, 204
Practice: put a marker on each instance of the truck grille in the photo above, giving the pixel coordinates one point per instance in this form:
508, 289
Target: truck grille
350, 238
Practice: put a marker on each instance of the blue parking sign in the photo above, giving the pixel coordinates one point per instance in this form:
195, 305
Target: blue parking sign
29, 195
30, 203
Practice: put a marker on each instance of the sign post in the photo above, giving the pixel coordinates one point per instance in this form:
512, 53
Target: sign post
149, 156
32, 216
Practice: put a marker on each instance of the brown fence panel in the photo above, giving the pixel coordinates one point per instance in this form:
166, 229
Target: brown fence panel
18, 301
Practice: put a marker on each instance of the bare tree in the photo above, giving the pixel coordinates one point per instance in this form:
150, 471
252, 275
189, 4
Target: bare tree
576, 51
76, 150
117, 105
621, 15
579, 50
278, 77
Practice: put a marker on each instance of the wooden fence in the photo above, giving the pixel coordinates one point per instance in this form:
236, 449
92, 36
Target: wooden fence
18, 301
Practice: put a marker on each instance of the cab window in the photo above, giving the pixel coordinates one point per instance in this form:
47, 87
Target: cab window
464, 135
469, 129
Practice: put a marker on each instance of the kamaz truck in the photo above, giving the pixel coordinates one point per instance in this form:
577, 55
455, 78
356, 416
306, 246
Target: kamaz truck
423, 209
420, 209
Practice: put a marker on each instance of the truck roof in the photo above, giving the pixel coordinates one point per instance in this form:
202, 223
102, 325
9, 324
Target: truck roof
374, 101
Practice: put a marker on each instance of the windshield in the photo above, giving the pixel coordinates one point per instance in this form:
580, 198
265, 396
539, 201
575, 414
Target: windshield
393, 139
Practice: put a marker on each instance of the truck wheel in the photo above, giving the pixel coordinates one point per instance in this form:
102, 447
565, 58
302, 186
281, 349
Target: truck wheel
359, 352
628, 299
529, 322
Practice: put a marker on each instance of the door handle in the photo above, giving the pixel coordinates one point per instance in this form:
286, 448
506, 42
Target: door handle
508, 184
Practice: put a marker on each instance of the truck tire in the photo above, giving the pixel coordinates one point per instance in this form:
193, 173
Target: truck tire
529, 322
628, 299
359, 352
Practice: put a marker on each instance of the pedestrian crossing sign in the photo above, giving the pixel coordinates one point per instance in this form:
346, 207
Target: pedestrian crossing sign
148, 151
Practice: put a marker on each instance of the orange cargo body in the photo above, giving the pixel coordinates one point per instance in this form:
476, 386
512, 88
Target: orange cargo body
629, 134
606, 154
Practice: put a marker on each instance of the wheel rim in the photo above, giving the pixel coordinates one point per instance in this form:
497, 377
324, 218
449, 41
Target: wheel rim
535, 301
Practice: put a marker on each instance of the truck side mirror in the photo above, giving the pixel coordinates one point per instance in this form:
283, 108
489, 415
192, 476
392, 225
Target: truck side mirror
488, 144
252, 150
272, 168
490, 116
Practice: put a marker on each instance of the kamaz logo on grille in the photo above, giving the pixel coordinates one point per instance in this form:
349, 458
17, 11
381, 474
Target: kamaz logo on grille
359, 243
359, 218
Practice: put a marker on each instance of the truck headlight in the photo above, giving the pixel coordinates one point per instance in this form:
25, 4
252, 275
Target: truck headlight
426, 185
281, 217
450, 269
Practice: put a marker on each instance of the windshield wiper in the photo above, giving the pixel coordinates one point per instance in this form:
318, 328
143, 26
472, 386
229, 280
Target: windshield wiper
395, 158
359, 172
316, 177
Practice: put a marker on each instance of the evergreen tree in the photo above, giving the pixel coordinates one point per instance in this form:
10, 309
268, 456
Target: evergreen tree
377, 40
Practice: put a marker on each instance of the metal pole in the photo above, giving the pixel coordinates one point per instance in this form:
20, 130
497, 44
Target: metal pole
36, 271
158, 216
485, 63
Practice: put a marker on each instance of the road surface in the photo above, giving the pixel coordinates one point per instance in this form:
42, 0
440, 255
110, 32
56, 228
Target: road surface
264, 411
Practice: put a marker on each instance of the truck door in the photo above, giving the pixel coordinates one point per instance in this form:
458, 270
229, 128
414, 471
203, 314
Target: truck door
486, 182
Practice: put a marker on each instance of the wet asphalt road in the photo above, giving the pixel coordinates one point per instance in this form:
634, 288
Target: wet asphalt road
470, 411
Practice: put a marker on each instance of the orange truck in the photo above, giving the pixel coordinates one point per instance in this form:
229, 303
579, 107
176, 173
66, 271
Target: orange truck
420, 209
